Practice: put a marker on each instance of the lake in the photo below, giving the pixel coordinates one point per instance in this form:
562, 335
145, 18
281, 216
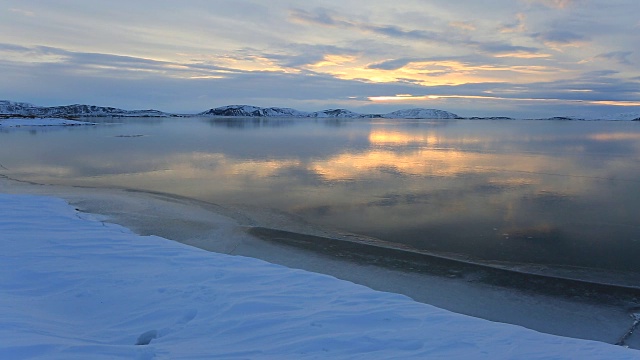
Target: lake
562, 194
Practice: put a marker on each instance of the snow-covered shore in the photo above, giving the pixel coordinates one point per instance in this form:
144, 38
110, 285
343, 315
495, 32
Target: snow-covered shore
74, 287
20, 122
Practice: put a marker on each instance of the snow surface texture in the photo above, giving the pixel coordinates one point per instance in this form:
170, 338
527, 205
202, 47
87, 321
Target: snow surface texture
14, 123
76, 288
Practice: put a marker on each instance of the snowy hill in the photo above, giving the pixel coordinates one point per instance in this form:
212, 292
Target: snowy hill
10, 107
420, 113
337, 113
22, 109
26, 109
254, 111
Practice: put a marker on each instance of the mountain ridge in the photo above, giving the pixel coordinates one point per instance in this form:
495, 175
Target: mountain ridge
76, 110
24, 109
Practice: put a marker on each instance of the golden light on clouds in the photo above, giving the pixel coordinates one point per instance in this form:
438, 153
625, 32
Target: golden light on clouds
401, 98
434, 73
262, 57
464, 25
413, 98
615, 103
408, 98
523, 55
334, 60
246, 63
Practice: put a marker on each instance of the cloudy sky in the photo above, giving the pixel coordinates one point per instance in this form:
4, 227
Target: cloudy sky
492, 57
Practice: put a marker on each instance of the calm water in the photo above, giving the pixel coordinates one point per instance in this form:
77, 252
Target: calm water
541, 192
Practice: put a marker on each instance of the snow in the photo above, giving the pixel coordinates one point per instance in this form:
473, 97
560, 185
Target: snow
74, 287
19, 122
420, 113
336, 113
252, 111
7, 106
26, 109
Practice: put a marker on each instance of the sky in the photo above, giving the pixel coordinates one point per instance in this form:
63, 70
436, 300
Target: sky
521, 58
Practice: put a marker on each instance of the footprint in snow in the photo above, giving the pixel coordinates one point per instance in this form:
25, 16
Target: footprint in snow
146, 337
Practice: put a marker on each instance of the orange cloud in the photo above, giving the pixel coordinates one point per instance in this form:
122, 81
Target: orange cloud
615, 103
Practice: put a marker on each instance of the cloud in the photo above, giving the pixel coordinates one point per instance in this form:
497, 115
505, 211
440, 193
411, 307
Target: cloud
555, 4
516, 26
445, 37
330, 18
320, 16
302, 55
324, 53
393, 64
109, 76
599, 74
502, 48
14, 47
463, 25
621, 57
22, 12
560, 38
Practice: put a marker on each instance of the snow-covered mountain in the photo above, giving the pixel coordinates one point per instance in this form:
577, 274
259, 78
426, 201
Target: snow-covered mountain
420, 113
254, 111
489, 118
11, 108
76, 110
338, 113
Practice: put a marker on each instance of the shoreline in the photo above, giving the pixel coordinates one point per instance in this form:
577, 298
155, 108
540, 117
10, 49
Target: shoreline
205, 225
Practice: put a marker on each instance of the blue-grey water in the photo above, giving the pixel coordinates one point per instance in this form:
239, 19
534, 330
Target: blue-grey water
554, 193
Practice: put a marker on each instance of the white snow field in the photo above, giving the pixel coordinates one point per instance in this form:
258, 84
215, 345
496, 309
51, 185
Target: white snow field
74, 287
20, 122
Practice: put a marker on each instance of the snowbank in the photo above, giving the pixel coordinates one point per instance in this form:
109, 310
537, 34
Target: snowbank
76, 288
19, 122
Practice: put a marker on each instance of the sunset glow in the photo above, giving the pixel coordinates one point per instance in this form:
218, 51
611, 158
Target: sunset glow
500, 59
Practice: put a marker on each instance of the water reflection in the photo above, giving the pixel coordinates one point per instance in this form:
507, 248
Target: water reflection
244, 123
538, 192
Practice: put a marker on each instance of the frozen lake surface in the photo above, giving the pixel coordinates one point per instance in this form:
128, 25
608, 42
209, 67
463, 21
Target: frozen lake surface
532, 195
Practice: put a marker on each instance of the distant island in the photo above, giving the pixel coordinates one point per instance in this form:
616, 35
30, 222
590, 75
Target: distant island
254, 111
13, 109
